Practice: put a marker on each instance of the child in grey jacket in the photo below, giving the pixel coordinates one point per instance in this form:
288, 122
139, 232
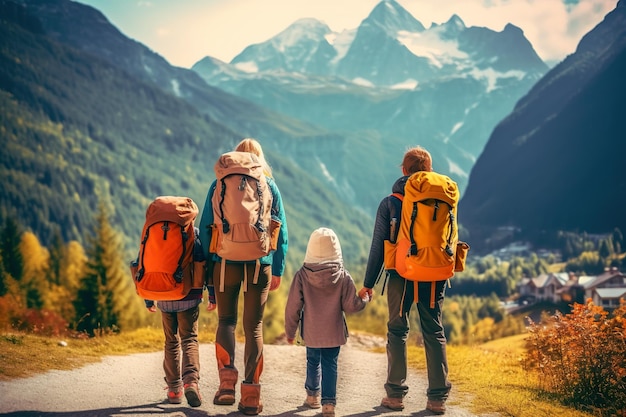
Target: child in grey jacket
321, 292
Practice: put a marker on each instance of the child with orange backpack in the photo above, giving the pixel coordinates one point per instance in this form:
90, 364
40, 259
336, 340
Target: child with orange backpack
170, 270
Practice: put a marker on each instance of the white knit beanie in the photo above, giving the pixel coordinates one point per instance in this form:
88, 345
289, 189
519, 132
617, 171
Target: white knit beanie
323, 247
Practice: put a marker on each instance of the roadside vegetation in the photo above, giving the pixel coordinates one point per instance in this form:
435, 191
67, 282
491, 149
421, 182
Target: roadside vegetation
503, 362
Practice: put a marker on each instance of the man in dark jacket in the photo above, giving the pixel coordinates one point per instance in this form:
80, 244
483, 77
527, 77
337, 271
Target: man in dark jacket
400, 293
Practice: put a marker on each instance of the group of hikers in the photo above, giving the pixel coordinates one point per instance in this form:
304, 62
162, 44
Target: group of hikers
321, 291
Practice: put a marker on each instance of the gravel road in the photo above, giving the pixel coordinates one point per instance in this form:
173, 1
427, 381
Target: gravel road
133, 385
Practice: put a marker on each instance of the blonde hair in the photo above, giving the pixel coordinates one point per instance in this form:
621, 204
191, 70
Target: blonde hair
417, 159
253, 146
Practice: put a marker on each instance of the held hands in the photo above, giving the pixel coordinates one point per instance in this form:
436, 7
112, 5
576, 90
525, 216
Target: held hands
366, 294
211, 304
275, 282
152, 308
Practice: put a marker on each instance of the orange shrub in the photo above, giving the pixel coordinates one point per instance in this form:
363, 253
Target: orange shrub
42, 322
581, 356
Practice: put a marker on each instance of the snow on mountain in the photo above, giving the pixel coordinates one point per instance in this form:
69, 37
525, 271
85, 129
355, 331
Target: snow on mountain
391, 48
446, 86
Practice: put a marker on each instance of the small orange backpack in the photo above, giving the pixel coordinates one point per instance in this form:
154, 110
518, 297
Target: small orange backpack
164, 269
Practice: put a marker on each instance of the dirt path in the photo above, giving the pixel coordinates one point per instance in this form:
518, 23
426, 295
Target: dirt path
133, 386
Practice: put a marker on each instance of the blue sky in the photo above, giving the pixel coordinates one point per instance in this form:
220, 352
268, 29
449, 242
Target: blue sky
185, 31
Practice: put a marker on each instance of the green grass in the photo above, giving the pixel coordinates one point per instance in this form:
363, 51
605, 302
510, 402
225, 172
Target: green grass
23, 355
491, 377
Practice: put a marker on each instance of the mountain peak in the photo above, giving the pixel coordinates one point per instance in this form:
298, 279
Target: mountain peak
513, 30
305, 28
455, 21
392, 17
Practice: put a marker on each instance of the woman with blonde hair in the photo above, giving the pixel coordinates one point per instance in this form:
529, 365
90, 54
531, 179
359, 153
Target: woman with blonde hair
231, 277
253, 146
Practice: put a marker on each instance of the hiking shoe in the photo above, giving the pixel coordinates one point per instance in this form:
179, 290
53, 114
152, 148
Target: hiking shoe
436, 406
312, 401
393, 403
225, 394
174, 397
328, 410
193, 395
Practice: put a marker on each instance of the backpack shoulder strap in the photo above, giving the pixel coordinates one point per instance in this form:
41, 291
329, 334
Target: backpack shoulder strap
178, 275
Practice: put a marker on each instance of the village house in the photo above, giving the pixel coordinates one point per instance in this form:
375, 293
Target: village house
605, 289
545, 287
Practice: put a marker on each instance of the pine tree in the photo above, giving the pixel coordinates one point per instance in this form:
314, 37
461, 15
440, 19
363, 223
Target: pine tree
56, 258
10, 249
104, 299
605, 248
3, 277
618, 240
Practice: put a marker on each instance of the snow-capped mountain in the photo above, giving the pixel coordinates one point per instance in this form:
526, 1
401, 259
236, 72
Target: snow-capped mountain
445, 87
391, 47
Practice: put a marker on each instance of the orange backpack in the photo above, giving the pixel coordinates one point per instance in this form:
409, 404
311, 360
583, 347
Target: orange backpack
164, 269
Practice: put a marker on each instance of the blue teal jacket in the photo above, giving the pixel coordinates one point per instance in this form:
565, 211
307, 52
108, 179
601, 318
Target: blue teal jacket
275, 258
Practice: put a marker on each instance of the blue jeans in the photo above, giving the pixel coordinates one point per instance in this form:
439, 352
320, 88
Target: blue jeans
321, 366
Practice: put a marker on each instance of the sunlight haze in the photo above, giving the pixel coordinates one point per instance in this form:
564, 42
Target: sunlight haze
185, 31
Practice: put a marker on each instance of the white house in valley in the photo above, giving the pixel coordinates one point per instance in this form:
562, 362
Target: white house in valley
605, 289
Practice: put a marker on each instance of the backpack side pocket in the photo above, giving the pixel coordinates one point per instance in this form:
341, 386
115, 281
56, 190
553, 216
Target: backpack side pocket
389, 255
274, 232
215, 238
461, 255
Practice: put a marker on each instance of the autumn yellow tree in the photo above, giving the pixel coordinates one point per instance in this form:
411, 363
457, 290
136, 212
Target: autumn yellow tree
34, 276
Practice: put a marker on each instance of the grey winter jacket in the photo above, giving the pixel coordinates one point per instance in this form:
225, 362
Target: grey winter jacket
322, 292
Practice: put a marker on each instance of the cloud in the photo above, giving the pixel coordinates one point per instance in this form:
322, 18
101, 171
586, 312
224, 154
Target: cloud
553, 27
223, 28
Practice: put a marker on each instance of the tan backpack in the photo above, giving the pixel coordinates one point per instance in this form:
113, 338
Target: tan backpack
242, 205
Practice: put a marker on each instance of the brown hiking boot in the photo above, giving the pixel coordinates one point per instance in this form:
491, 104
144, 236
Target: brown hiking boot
250, 403
393, 403
312, 401
193, 394
328, 410
436, 406
225, 394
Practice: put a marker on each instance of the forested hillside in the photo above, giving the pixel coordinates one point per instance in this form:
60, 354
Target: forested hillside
77, 130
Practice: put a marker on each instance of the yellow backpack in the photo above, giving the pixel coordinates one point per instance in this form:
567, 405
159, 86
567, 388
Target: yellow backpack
427, 248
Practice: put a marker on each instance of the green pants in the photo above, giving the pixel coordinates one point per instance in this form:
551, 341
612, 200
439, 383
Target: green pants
400, 299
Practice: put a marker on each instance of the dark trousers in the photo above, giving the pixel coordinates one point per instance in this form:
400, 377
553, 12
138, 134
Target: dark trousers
254, 300
400, 294
181, 347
